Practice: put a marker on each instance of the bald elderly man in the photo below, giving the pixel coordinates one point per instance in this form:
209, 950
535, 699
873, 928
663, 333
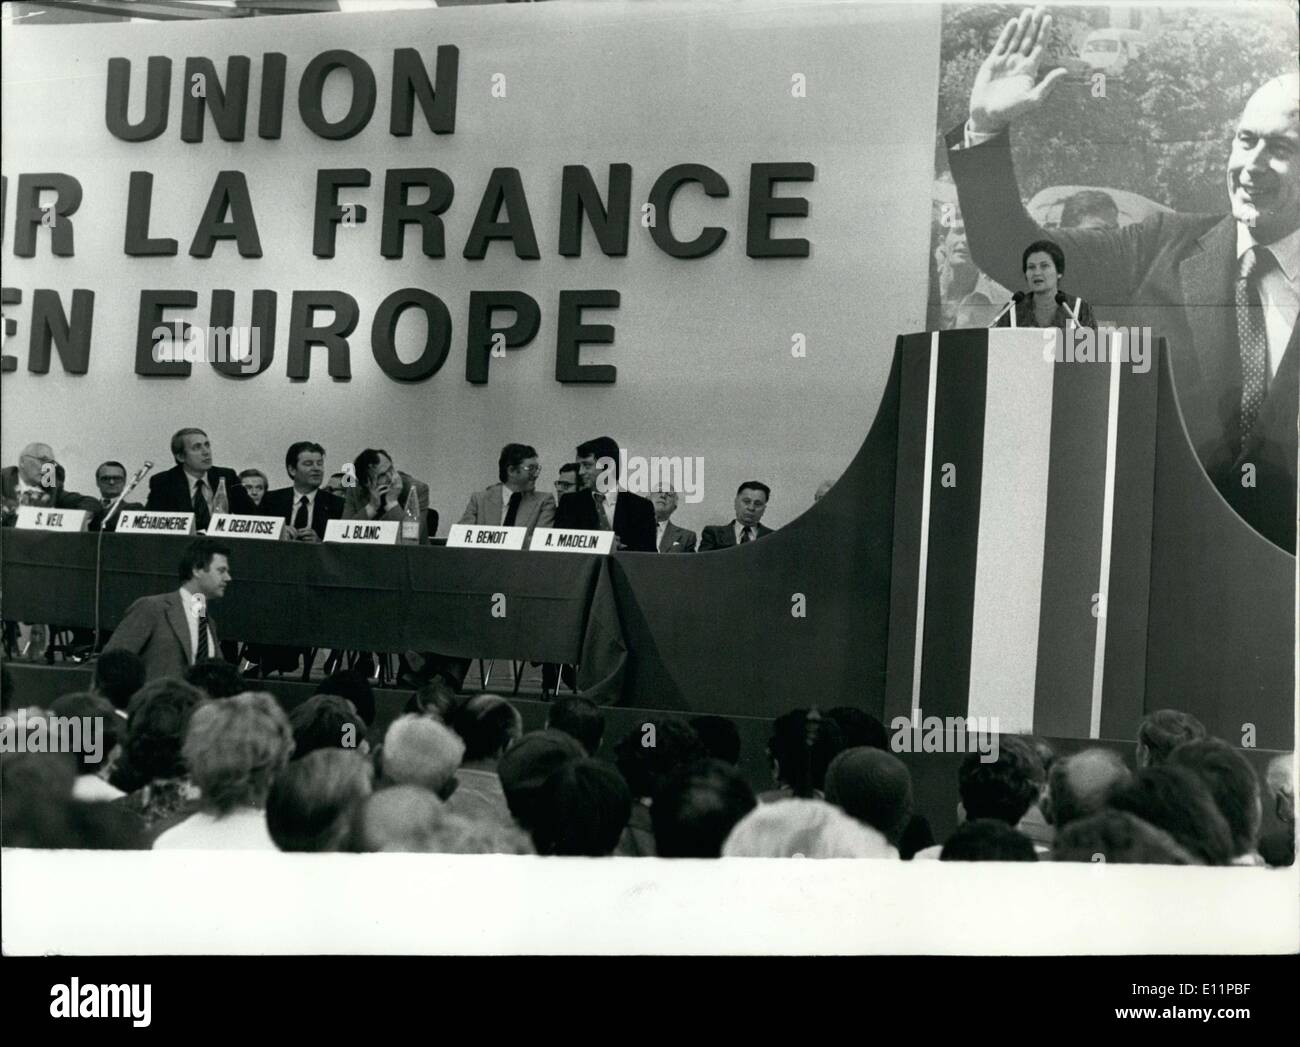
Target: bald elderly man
35, 481
1078, 785
1223, 289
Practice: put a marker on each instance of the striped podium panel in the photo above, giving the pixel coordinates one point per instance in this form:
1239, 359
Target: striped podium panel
1022, 531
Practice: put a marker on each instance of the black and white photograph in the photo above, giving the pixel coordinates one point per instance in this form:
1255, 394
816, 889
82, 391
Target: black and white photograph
649, 478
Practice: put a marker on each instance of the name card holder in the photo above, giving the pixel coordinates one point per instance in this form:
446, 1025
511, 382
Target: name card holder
231, 525
366, 532
566, 540
148, 521
476, 536
47, 518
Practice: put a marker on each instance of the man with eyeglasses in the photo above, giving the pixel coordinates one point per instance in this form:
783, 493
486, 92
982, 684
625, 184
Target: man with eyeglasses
35, 480
567, 481
110, 478
515, 500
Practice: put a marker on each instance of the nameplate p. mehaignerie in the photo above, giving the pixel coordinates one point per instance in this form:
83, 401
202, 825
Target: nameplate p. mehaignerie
149, 521
45, 518
478, 536
567, 540
366, 532
233, 525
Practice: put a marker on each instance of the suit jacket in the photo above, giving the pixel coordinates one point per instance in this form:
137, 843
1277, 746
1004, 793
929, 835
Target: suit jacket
634, 518
354, 504
155, 628
283, 503
677, 539
723, 536
170, 491
60, 498
1174, 273
536, 509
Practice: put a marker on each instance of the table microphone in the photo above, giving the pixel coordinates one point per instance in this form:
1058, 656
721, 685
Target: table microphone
99, 542
1016, 299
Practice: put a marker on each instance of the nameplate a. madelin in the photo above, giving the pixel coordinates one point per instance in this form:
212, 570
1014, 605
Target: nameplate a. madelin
565, 540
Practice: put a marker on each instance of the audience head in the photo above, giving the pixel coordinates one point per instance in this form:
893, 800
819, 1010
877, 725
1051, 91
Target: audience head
205, 567
216, 678
408, 818
305, 464
580, 718
327, 721
1163, 731
1232, 784
1078, 785
418, 750
858, 727
874, 787
804, 829
802, 746
527, 765
598, 463
653, 750
436, 698
157, 722
352, 685
234, 749
987, 840
488, 725
582, 810
110, 478
751, 502
1121, 838
192, 449
118, 675
719, 736
311, 801
1177, 801
518, 467
1004, 788
88, 708
1281, 786
255, 484
697, 807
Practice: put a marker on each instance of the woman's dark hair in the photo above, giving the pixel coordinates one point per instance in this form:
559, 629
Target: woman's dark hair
1047, 247
803, 744
157, 721
582, 811
366, 461
1176, 800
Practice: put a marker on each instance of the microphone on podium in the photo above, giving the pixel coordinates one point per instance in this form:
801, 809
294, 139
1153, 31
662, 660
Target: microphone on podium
1016, 299
1064, 299
99, 547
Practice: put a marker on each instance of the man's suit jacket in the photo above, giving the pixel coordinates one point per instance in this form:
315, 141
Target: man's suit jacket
677, 539
283, 503
155, 628
723, 536
60, 498
354, 504
536, 509
1176, 274
171, 491
634, 518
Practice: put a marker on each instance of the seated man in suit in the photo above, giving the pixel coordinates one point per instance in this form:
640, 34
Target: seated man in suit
191, 485
304, 506
601, 506
382, 490
255, 485
669, 538
37, 479
110, 478
514, 502
172, 631
751, 502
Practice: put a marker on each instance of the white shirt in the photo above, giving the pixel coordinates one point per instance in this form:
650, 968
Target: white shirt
24, 487
243, 829
192, 620
93, 788
1279, 289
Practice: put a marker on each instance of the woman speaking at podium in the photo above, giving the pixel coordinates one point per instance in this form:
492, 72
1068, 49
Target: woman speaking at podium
1045, 305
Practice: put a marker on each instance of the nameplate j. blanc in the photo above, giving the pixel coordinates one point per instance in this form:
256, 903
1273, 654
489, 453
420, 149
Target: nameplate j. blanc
564, 540
230, 525
367, 532
475, 536
43, 518
148, 521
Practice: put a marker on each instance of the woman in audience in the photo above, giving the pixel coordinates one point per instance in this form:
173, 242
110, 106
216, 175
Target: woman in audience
310, 804
802, 746
1177, 801
804, 829
151, 769
234, 749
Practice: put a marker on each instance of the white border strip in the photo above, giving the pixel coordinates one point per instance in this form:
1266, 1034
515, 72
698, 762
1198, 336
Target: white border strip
1107, 526
918, 648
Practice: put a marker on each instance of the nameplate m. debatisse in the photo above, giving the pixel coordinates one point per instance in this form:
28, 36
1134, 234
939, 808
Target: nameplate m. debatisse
367, 532
231, 525
45, 518
149, 521
478, 536
566, 540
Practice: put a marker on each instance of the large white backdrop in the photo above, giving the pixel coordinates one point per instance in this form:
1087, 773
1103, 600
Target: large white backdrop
704, 347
